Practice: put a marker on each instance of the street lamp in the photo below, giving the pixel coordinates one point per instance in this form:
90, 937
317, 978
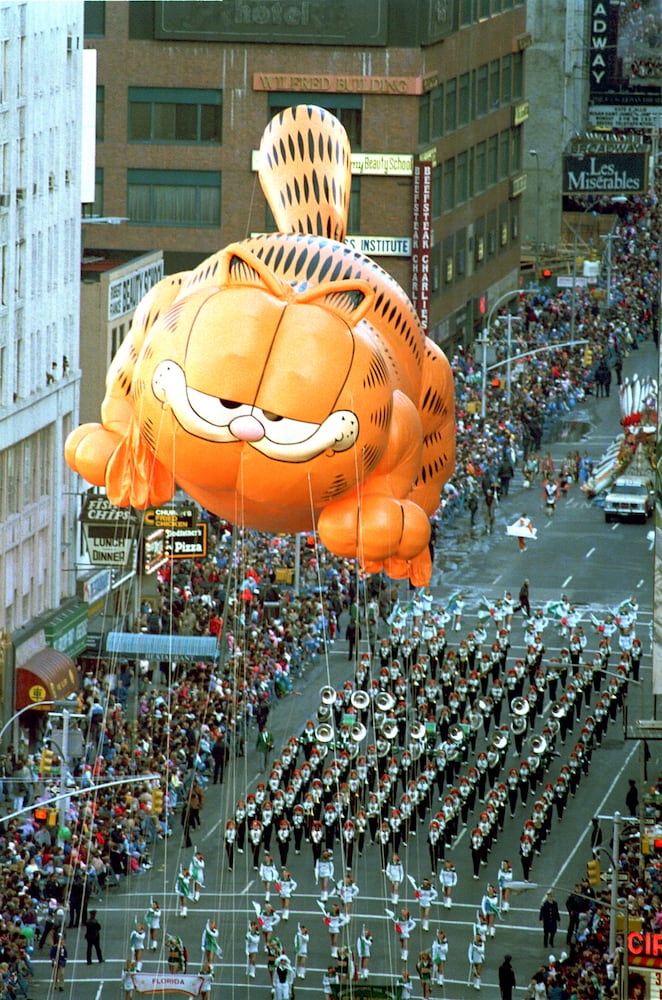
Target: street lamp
484, 341
534, 152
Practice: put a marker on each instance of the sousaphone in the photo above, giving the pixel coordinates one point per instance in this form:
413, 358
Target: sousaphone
456, 734
417, 731
519, 706
384, 701
328, 695
324, 733
538, 745
390, 730
360, 700
358, 732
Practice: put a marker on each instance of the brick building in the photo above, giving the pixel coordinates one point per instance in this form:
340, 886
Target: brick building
185, 91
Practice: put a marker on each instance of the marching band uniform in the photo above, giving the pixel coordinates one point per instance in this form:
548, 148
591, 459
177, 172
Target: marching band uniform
395, 874
252, 945
448, 880
504, 878
301, 941
286, 887
439, 956
363, 950
426, 895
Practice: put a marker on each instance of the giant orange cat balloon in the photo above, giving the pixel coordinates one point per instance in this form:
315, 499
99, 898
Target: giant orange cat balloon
286, 381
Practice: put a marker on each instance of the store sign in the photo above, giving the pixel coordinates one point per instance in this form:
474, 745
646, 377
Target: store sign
66, 630
520, 112
97, 586
126, 292
37, 693
337, 83
109, 531
421, 242
605, 173
171, 517
368, 164
185, 543
518, 185
154, 555
381, 246
624, 55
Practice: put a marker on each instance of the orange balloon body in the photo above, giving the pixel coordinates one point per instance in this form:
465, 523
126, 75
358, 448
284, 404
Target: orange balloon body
286, 381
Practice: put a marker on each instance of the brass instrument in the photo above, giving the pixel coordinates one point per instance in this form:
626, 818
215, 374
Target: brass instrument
390, 730
518, 724
500, 740
538, 745
456, 734
323, 713
384, 701
557, 710
324, 732
360, 700
358, 732
519, 706
328, 695
417, 731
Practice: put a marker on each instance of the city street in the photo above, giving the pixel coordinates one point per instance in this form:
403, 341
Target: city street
597, 565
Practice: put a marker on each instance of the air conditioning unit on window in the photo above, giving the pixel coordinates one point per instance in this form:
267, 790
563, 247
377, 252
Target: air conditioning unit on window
51, 182
4, 200
20, 194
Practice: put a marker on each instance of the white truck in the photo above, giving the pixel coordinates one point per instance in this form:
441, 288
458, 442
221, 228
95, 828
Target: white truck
630, 496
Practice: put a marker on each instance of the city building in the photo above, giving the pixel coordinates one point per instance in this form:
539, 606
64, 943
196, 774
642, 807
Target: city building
185, 91
42, 624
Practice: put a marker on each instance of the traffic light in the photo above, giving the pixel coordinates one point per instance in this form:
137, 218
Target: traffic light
593, 872
157, 801
588, 357
545, 273
46, 762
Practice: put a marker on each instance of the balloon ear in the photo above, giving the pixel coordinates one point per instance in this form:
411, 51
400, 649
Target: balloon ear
239, 266
350, 299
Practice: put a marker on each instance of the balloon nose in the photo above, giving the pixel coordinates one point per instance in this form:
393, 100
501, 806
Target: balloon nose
247, 428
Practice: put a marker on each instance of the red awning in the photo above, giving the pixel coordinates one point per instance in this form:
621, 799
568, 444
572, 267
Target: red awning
48, 675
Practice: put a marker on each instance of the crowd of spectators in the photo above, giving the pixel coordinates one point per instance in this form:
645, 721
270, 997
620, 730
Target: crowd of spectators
187, 720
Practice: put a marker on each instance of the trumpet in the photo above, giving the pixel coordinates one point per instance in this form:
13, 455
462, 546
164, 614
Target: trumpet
324, 733
328, 695
360, 700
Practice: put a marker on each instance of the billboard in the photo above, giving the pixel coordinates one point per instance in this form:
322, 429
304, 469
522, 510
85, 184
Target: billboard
313, 22
421, 242
604, 173
625, 68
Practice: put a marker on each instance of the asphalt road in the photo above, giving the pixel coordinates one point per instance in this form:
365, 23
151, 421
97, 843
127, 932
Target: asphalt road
597, 566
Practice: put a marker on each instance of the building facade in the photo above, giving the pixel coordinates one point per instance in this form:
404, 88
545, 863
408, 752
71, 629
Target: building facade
41, 48
185, 91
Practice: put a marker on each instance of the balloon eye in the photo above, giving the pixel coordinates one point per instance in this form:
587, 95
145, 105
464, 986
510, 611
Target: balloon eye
230, 404
272, 416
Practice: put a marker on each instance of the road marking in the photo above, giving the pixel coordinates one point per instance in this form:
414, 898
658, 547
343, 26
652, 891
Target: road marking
640, 584
589, 553
496, 579
244, 892
614, 526
566, 581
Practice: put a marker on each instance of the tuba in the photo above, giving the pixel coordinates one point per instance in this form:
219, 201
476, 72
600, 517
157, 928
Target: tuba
557, 710
390, 730
417, 731
519, 706
358, 732
518, 724
383, 747
500, 740
456, 734
360, 700
384, 701
538, 745
323, 713
324, 733
328, 695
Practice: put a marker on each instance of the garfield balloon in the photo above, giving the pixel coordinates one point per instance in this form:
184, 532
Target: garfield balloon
286, 382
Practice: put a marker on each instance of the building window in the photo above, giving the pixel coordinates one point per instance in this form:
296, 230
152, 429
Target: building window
516, 149
94, 210
461, 252
348, 109
464, 102
514, 220
504, 154
483, 9
449, 185
506, 79
435, 269
462, 177
518, 75
437, 111
491, 232
448, 262
492, 160
94, 19
465, 13
101, 112
451, 105
435, 191
174, 197
171, 114
481, 167
495, 83
481, 92
424, 119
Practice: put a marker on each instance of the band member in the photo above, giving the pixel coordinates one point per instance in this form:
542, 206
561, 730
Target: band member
439, 956
301, 942
448, 881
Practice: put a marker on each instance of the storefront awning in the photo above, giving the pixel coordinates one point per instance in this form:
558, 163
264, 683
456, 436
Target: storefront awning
49, 675
163, 647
